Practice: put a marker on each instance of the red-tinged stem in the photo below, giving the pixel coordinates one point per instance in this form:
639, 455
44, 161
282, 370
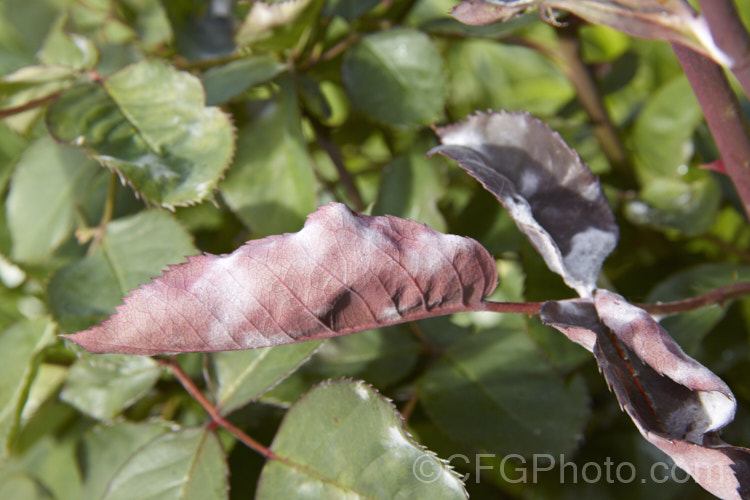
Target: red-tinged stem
4, 113
723, 115
730, 36
216, 417
513, 307
716, 296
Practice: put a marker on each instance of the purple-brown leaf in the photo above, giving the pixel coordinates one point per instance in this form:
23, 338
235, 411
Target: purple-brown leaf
677, 404
341, 273
552, 196
671, 20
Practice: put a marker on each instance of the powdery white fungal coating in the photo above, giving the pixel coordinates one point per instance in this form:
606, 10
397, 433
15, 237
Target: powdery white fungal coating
551, 195
676, 403
341, 273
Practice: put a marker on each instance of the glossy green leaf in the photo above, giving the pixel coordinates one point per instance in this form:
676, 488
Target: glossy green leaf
411, 186
484, 74
222, 83
103, 386
20, 345
29, 84
186, 464
344, 440
396, 77
271, 186
104, 450
133, 250
47, 184
496, 391
68, 49
238, 377
148, 123
663, 130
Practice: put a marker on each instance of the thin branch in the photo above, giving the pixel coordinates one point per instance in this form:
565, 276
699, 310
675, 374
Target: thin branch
513, 307
109, 209
723, 115
216, 417
716, 296
4, 113
730, 36
327, 145
331, 53
568, 56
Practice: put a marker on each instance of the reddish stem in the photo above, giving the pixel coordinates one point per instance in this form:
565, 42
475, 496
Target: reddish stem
730, 36
716, 296
723, 115
216, 417
4, 113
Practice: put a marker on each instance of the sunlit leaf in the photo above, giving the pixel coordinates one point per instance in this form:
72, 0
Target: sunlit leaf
106, 449
20, 345
344, 440
103, 386
672, 20
271, 186
174, 156
342, 273
186, 464
47, 184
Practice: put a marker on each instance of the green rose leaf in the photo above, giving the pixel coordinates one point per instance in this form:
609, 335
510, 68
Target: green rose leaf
148, 123
182, 465
344, 440
133, 249
396, 77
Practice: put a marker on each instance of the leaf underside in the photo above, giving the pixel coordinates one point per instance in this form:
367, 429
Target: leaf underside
342, 273
676, 403
552, 196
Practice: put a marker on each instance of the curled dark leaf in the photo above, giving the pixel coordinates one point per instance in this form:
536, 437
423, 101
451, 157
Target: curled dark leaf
677, 404
553, 197
342, 273
671, 20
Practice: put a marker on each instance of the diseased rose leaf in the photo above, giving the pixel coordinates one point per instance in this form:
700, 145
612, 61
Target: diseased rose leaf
553, 197
342, 273
676, 403
671, 20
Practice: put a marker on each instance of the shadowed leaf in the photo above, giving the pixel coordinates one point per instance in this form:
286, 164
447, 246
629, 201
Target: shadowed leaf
553, 198
675, 402
342, 273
